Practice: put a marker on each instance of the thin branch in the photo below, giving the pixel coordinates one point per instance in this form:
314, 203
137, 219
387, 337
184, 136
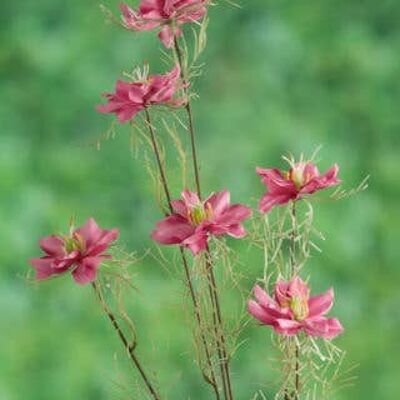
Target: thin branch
130, 347
211, 380
189, 112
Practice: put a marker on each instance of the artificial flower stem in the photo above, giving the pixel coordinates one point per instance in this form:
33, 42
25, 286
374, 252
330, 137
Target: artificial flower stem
213, 291
217, 337
130, 347
293, 262
189, 112
297, 373
212, 380
220, 327
293, 272
158, 159
225, 374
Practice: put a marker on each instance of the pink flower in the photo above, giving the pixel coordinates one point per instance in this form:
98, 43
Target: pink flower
193, 221
292, 310
132, 97
81, 253
301, 179
166, 14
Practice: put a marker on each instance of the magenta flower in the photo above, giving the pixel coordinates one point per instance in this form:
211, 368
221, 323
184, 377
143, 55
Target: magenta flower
132, 97
293, 310
168, 15
81, 253
301, 179
193, 221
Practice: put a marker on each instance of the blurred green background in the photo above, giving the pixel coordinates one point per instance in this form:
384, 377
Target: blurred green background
279, 76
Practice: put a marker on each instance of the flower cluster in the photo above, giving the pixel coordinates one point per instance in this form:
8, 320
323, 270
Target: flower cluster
191, 225
193, 221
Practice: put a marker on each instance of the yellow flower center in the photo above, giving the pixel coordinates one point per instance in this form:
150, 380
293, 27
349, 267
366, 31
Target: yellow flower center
297, 176
299, 308
72, 243
200, 213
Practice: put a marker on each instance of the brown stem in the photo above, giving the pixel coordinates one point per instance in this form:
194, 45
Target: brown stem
293, 267
130, 347
225, 374
217, 335
297, 373
220, 328
158, 159
212, 380
293, 240
189, 112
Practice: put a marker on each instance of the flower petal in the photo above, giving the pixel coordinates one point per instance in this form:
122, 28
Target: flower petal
269, 200
328, 328
197, 242
172, 230
52, 245
262, 297
323, 181
219, 202
298, 288
260, 313
281, 293
234, 214
103, 243
335, 328
270, 305
137, 21
275, 182
191, 199
43, 267
90, 232
166, 35
179, 207
86, 270
236, 231
287, 327
320, 305
310, 171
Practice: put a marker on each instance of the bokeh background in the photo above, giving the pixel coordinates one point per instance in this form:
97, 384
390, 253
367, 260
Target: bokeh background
279, 76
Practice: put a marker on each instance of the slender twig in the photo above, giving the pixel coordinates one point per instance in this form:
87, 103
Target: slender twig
211, 380
293, 267
130, 347
297, 372
220, 328
157, 154
221, 348
293, 240
219, 345
188, 108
